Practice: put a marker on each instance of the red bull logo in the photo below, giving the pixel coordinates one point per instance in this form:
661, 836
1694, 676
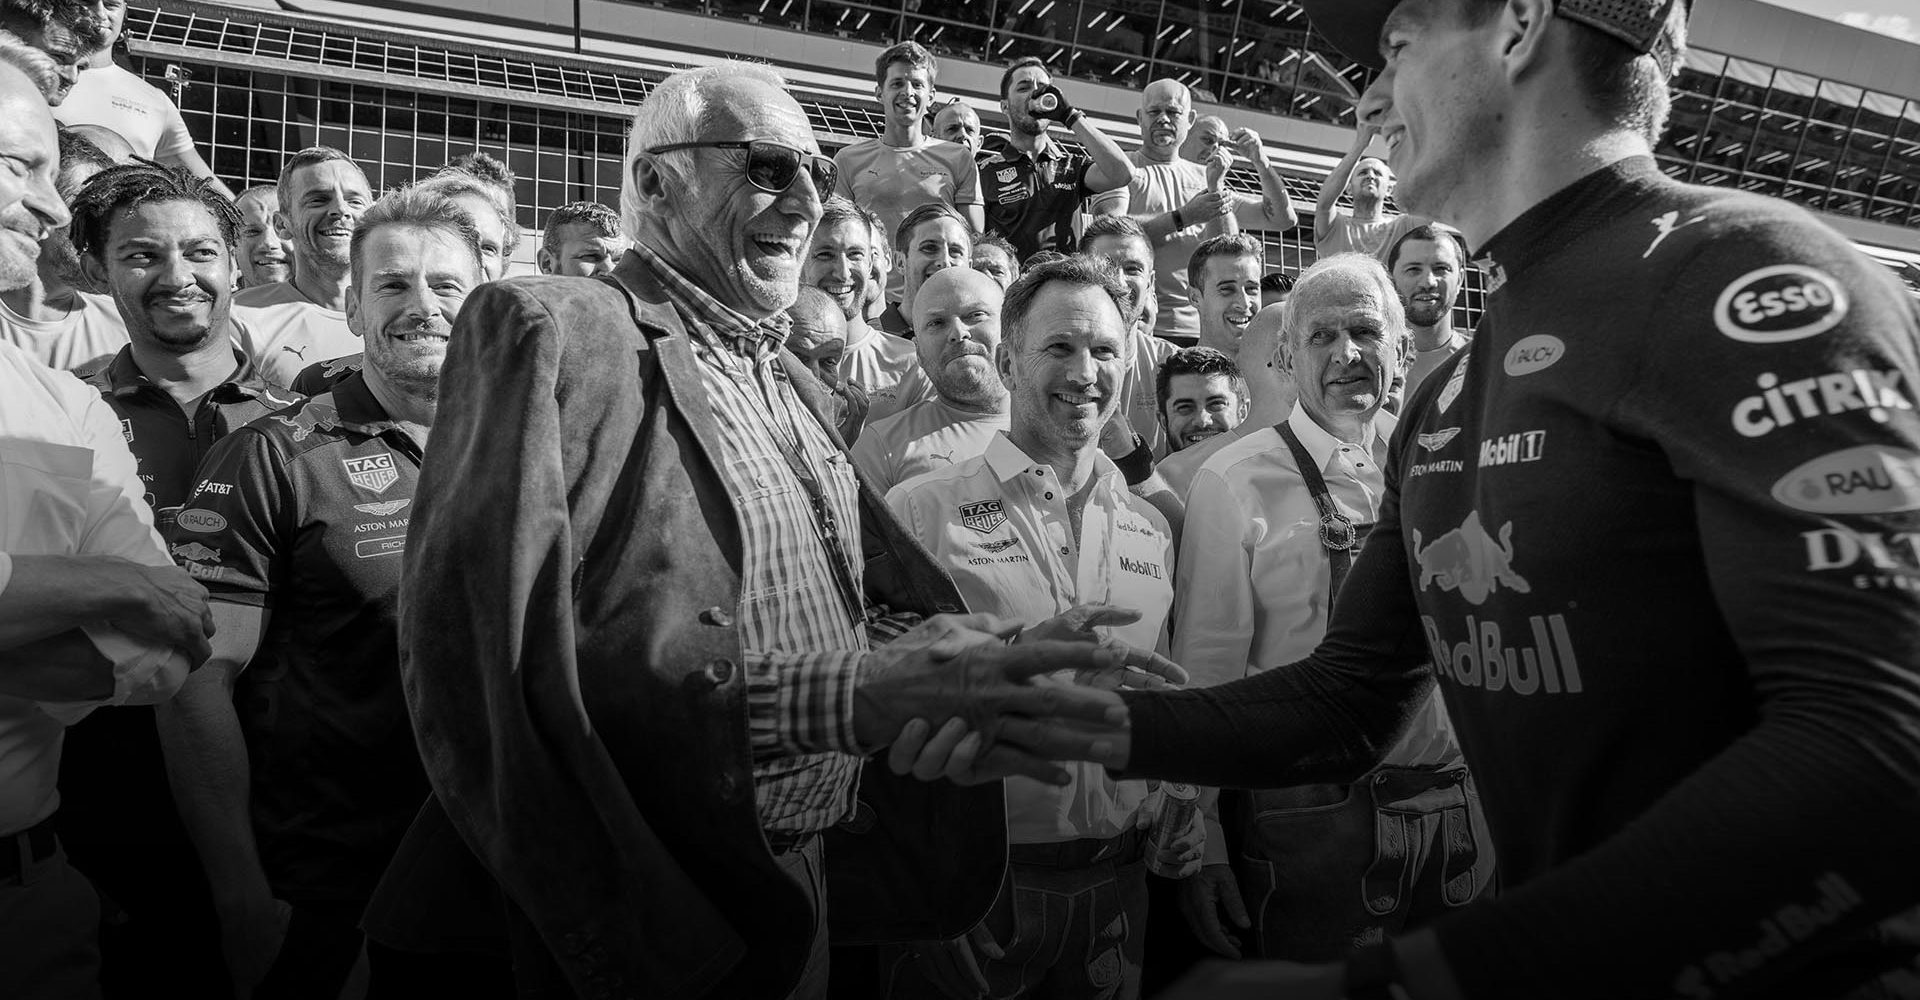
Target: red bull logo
1468, 560
1484, 660
308, 418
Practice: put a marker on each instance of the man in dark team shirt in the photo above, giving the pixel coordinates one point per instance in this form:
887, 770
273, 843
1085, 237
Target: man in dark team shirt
1032, 186
1658, 549
160, 242
298, 777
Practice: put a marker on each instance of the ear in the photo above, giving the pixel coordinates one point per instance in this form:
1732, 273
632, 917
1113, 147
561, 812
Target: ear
353, 309
95, 272
1003, 363
899, 258
652, 186
1524, 26
282, 227
1245, 407
543, 260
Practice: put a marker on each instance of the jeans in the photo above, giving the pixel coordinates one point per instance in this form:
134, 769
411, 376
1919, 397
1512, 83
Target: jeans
1325, 869
1068, 931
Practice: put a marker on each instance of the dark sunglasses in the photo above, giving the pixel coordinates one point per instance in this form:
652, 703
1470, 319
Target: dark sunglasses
771, 166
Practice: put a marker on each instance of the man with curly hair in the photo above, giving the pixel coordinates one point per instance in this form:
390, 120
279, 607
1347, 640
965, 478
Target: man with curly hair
65, 30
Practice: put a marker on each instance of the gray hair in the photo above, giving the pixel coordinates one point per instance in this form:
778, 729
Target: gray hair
677, 111
1363, 267
416, 207
33, 63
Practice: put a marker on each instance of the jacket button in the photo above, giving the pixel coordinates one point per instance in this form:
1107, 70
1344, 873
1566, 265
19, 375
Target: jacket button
716, 615
720, 671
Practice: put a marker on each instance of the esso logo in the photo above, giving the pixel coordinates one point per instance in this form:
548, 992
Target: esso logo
1776, 304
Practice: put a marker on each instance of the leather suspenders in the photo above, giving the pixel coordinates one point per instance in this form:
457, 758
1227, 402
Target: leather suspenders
1339, 536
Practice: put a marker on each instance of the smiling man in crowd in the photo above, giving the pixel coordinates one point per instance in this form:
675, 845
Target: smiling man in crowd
1428, 265
65, 31
1201, 395
265, 257
300, 321
931, 237
290, 752
59, 318
846, 259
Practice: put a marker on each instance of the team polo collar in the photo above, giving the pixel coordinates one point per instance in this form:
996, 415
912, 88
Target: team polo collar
1566, 217
1321, 446
353, 407
123, 378
1009, 153
1009, 463
756, 340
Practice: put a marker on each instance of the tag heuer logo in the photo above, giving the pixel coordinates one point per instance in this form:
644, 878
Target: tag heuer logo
371, 472
1007, 175
982, 515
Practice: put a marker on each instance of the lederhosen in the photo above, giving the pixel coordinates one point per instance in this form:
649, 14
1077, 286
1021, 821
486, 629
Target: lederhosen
1326, 868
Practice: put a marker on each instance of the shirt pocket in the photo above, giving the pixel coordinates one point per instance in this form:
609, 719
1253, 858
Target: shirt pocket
43, 496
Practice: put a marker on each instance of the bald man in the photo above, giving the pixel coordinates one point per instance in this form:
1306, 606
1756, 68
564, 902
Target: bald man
818, 337
1180, 202
113, 144
956, 325
1367, 182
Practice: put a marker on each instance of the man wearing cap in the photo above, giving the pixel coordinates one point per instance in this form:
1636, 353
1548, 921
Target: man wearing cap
1656, 548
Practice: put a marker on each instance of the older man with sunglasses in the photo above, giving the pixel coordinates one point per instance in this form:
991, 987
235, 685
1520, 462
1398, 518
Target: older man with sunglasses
645, 642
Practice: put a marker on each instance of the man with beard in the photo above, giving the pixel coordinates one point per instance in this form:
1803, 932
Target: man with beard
65, 31
957, 328
1428, 265
290, 751
1664, 582
1180, 202
903, 167
1040, 522
1368, 182
294, 323
92, 612
957, 122
818, 338
159, 242
1201, 396
1033, 187
582, 238
846, 259
57, 318
264, 255
1317, 868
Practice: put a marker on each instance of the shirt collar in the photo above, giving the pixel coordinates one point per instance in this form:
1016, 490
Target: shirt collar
757, 340
123, 378
1045, 149
357, 409
1009, 462
1322, 446
1566, 217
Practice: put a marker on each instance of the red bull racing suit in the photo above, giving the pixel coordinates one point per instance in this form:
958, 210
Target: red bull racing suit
1656, 533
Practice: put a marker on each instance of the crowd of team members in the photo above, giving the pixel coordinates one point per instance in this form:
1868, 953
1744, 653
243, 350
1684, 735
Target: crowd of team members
1071, 376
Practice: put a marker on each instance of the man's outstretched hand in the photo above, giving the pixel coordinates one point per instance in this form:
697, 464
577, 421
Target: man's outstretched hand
960, 668
1137, 668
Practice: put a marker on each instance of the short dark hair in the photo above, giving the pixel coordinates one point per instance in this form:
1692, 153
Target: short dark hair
1202, 361
1081, 272
1625, 87
839, 209
914, 54
998, 242
415, 207
1040, 257
310, 156
1104, 226
1006, 76
78, 150
76, 16
931, 210
123, 187
1432, 232
604, 221
1231, 245
1276, 283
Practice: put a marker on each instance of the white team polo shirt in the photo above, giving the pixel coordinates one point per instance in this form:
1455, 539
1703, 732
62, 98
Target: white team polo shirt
998, 524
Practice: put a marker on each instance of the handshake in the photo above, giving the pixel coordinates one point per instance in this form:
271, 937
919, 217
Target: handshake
974, 698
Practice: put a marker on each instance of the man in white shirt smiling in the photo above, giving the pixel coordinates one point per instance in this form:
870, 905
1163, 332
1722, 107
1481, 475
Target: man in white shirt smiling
1274, 519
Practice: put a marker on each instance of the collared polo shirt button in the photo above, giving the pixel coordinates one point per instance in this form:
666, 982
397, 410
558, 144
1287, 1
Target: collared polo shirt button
1065, 551
720, 671
1049, 494
716, 615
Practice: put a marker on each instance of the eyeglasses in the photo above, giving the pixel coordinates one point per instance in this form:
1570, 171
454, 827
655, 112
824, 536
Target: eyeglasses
771, 166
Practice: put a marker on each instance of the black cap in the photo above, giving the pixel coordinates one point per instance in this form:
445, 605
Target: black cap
1353, 26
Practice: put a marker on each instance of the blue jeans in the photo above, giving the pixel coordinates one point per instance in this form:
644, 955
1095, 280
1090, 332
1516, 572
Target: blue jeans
1070, 921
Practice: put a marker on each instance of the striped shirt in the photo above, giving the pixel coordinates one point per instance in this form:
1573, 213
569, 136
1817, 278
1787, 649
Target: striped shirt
801, 642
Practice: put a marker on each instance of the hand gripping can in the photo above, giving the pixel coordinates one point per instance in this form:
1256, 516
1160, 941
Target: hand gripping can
1177, 803
1046, 102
